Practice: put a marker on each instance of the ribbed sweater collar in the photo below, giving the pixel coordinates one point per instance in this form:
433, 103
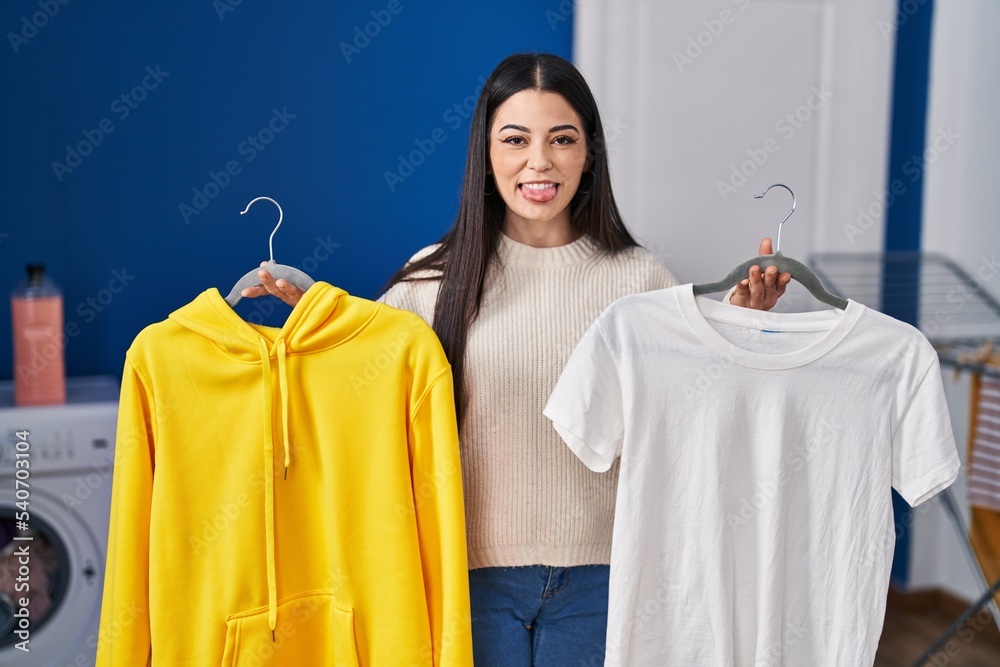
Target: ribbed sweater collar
514, 253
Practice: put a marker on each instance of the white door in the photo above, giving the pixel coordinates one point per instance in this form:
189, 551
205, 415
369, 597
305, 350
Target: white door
706, 103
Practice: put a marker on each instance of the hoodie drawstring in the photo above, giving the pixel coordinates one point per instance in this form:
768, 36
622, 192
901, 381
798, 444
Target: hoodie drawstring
265, 362
283, 384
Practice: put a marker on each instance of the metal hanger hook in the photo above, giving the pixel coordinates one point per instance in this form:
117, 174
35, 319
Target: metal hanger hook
281, 216
777, 245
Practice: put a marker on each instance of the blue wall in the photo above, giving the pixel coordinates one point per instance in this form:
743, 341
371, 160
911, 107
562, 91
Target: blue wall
201, 85
904, 213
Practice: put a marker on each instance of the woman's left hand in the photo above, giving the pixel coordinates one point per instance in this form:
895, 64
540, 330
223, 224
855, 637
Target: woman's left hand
280, 288
761, 291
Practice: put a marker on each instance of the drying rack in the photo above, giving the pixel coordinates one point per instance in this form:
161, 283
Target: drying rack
951, 308
961, 319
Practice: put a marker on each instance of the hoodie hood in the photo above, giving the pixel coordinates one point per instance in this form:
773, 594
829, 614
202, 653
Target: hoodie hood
324, 317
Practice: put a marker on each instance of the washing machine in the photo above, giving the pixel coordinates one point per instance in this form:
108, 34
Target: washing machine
54, 560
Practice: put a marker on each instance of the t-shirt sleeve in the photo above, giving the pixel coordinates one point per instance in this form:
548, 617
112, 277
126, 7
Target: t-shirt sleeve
924, 456
586, 405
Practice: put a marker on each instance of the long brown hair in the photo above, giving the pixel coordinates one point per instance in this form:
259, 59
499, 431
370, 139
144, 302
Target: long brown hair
468, 248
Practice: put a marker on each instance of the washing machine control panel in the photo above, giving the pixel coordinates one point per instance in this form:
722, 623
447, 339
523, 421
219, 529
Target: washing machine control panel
60, 438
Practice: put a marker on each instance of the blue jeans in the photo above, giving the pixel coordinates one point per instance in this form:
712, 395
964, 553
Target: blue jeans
539, 616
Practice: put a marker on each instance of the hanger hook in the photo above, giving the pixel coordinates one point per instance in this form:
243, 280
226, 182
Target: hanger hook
777, 245
281, 216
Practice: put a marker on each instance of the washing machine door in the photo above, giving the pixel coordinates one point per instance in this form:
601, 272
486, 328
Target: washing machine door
64, 580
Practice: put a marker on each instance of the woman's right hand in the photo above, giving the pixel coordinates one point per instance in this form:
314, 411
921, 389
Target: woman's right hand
280, 288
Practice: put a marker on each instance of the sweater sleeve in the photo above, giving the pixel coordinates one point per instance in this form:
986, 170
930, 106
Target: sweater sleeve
440, 515
124, 638
654, 272
416, 296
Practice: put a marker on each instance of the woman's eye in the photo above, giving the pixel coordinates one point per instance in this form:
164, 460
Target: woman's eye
514, 140
563, 140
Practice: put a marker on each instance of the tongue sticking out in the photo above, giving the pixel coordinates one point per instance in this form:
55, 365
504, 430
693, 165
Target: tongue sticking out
539, 194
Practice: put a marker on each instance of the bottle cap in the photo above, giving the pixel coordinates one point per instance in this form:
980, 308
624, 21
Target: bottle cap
36, 272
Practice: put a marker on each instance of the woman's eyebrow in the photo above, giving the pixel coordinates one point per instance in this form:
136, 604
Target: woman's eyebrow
522, 128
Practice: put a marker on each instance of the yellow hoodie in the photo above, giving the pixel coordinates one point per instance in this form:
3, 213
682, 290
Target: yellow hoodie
287, 496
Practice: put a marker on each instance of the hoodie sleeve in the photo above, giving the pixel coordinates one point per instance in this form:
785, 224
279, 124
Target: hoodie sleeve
124, 631
440, 514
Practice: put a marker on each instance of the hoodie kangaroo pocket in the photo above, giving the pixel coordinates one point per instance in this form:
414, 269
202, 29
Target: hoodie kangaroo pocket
312, 629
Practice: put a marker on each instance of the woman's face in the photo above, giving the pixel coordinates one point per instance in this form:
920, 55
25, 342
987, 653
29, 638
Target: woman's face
538, 152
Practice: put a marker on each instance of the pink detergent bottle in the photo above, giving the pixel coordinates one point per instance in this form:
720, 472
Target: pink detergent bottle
39, 363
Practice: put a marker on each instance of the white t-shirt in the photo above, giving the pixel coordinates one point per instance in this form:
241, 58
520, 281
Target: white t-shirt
754, 521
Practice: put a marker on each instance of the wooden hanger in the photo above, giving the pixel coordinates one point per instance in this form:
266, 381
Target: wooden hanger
799, 271
282, 271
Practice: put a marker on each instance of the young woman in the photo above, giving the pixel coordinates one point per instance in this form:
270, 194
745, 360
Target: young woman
537, 251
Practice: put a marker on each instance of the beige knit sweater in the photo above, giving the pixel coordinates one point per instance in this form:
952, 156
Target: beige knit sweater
528, 499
